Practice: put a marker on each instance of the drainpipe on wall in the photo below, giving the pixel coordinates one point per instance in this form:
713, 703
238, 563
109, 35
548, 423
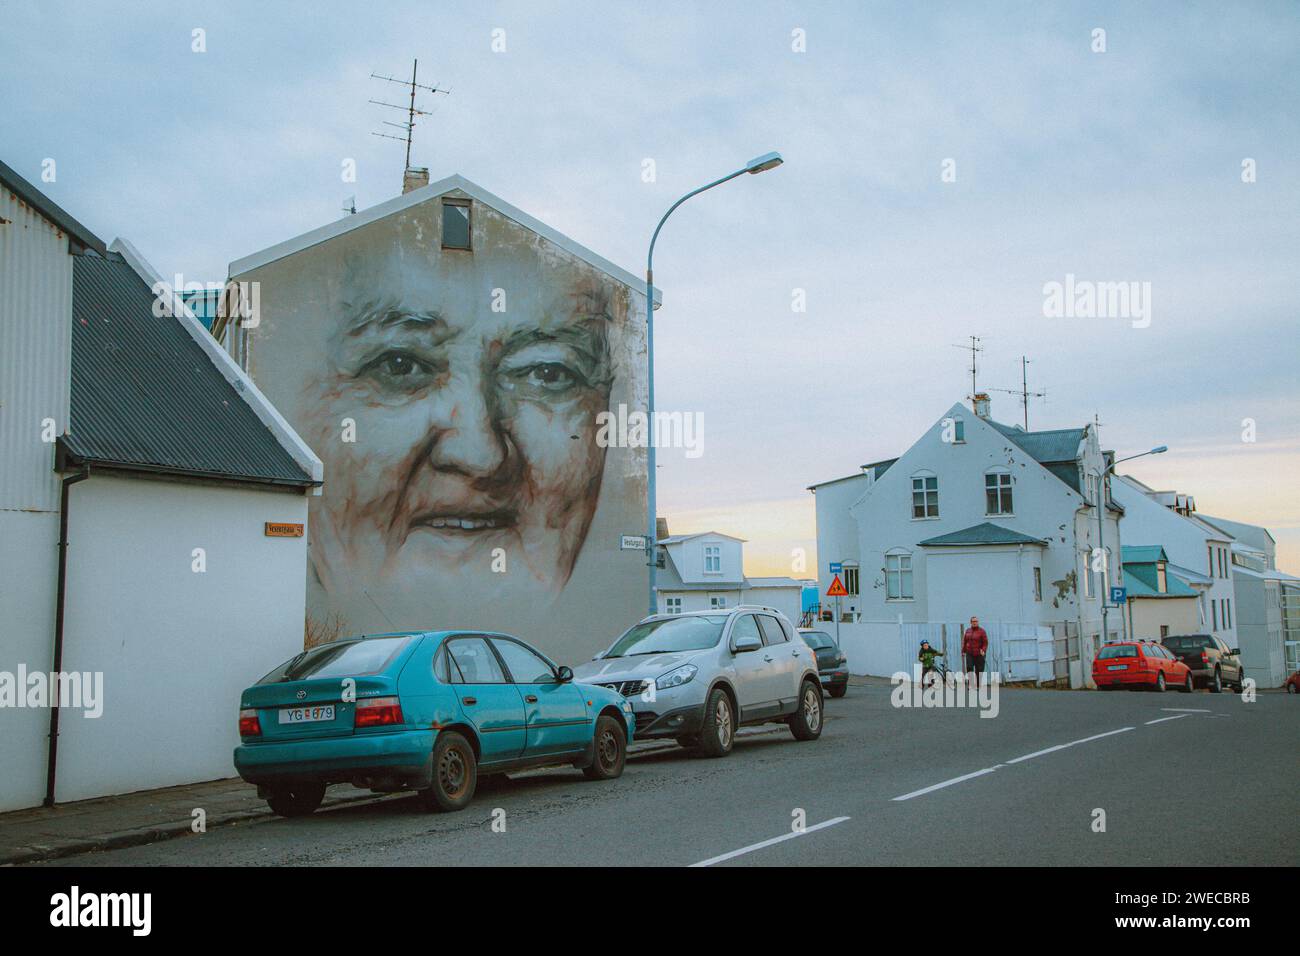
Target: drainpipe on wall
52, 757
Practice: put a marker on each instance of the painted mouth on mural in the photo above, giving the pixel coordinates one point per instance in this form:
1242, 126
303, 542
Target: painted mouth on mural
464, 522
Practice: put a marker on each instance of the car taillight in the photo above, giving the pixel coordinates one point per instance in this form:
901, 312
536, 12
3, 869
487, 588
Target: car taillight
1205, 657
249, 725
378, 712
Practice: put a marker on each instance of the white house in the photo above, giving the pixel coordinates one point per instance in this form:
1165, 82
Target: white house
1200, 553
1268, 635
707, 570
145, 483
980, 519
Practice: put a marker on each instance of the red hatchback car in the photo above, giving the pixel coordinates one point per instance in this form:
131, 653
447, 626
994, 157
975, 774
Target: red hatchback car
1140, 664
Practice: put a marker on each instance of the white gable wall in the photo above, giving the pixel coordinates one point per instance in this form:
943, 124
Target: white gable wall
1044, 507
688, 556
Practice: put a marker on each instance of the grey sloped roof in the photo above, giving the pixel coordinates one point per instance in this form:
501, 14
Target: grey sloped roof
986, 533
1059, 444
146, 397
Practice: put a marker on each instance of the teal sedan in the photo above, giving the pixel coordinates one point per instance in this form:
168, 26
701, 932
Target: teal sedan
425, 711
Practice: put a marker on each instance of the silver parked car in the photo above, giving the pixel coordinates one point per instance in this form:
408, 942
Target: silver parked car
700, 675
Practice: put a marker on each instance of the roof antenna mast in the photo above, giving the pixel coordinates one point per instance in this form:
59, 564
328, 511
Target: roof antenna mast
973, 348
1023, 391
410, 109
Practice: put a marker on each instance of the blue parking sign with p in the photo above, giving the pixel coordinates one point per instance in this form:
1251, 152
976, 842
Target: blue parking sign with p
1118, 595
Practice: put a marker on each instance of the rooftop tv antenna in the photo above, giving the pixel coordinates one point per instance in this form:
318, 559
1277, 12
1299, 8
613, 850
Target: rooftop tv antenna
410, 109
973, 348
1023, 391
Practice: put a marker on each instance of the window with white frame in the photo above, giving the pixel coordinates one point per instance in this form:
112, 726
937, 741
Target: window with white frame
712, 558
898, 576
997, 493
1089, 586
1038, 584
925, 496
717, 602
674, 605
1162, 578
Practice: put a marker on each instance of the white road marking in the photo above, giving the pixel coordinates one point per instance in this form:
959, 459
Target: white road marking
1161, 720
987, 770
1084, 740
947, 783
1188, 710
772, 842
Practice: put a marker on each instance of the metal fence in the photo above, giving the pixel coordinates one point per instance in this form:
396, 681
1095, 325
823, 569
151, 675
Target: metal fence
1016, 652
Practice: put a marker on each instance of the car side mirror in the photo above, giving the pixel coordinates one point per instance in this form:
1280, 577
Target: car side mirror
565, 674
1235, 651
746, 644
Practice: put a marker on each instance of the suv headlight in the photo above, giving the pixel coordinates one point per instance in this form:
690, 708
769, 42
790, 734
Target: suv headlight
677, 677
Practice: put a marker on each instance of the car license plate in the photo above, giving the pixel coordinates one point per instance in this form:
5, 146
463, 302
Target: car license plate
306, 715
1117, 667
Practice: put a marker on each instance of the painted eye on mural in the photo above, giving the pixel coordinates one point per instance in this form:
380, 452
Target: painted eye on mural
400, 368
543, 378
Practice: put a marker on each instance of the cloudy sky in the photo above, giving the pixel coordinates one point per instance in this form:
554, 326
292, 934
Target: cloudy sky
1122, 165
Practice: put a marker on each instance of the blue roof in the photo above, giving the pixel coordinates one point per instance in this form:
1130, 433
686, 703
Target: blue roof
986, 533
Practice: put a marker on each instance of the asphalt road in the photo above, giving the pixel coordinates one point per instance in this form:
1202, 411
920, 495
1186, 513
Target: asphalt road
1219, 783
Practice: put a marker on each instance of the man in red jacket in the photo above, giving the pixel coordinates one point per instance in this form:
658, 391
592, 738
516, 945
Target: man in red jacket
974, 645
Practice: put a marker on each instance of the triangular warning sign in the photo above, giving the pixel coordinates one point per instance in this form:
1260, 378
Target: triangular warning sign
837, 589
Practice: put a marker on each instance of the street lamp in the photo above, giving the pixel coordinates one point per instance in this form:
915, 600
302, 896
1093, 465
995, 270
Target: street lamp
759, 164
1101, 531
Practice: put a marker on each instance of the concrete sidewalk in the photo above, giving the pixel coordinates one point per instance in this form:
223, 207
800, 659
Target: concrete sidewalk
148, 816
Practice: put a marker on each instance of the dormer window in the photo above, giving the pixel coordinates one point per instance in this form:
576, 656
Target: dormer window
1162, 581
712, 559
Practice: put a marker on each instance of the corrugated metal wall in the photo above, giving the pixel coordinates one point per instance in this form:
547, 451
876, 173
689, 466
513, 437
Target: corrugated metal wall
35, 353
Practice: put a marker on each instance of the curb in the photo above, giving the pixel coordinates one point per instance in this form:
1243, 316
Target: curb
60, 849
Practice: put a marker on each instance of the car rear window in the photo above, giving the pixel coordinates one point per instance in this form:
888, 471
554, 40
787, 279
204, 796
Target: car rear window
1187, 642
1117, 650
339, 659
816, 639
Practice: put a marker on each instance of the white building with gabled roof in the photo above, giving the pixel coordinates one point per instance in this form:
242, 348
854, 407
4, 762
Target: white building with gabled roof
1200, 553
976, 518
706, 571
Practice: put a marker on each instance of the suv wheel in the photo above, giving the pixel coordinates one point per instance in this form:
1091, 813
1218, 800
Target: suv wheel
718, 732
1216, 682
806, 722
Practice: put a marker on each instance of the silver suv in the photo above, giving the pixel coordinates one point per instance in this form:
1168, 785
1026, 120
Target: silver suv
698, 676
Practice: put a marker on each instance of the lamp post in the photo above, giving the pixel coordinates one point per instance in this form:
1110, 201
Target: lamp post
760, 164
1101, 533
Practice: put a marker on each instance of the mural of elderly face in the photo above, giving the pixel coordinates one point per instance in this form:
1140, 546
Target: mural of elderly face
474, 381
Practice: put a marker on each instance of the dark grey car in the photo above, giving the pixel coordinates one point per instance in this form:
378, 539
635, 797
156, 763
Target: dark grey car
1212, 663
